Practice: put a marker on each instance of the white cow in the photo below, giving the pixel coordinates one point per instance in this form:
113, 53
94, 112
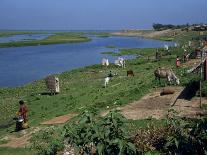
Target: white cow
166, 47
105, 62
120, 62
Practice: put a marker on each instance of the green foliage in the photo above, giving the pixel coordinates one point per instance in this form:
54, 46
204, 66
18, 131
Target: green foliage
178, 136
47, 142
15, 151
159, 27
204, 88
104, 136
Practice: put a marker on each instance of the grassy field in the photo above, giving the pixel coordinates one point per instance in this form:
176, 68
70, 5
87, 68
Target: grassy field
82, 89
58, 38
16, 151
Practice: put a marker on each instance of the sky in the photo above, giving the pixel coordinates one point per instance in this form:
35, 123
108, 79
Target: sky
98, 14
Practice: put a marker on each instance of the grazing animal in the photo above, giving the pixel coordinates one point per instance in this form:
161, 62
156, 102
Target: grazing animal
130, 72
105, 62
166, 47
106, 82
120, 62
166, 73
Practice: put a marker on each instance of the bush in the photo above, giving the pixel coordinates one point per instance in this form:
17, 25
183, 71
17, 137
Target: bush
91, 134
47, 142
177, 136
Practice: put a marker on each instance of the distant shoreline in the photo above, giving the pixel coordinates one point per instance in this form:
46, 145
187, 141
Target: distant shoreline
150, 34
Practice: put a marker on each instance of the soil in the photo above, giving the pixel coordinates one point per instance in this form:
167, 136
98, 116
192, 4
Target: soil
153, 105
15, 142
59, 120
152, 34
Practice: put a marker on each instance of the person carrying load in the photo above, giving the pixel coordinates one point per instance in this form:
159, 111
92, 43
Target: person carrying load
21, 119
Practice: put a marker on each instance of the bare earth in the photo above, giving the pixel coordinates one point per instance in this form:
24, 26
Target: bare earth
22, 141
153, 105
25, 135
147, 34
59, 120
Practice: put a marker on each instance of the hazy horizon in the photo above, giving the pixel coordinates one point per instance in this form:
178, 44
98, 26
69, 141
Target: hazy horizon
98, 15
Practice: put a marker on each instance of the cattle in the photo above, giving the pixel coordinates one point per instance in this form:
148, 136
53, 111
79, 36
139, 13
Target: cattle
130, 73
120, 62
166, 73
105, 62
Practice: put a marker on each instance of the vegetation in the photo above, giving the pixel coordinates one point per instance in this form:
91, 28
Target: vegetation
91, 134
100, 135
110, 46
15, 151
176, 136
100, 34
48, 141
159, 27
58, 38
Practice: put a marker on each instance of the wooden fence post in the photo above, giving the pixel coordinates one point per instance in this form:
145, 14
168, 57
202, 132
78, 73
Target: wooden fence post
205, 70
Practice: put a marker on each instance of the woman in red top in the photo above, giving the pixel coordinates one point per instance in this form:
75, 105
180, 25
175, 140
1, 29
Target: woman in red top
177, 62
23, 110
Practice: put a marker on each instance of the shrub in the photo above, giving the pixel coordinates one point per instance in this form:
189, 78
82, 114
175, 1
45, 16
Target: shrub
91, 134
178, 136
47, 142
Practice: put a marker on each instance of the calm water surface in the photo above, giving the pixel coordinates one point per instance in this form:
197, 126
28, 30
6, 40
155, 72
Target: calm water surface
21, 65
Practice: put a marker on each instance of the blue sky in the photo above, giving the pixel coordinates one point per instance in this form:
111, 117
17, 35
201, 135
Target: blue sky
98, 14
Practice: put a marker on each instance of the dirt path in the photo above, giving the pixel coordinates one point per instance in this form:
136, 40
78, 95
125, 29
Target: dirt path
22, 139
59, 120
25, 135
153, 105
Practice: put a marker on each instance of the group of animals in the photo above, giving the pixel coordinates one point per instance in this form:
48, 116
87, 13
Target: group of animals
119, 62
158, 73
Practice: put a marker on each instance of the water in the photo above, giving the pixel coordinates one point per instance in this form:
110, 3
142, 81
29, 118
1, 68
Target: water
23, 37
21, 65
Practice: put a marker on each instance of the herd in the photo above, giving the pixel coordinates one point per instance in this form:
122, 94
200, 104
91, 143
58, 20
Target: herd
158, 72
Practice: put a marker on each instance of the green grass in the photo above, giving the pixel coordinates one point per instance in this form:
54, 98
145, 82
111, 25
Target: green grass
111, 53
58, 38
100, 34
110, 46
15, 151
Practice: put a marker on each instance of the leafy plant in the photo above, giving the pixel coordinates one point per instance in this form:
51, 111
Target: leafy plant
96, 135
47, 142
